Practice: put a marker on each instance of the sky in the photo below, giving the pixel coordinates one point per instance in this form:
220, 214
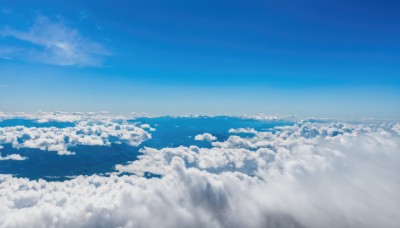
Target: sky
332, 58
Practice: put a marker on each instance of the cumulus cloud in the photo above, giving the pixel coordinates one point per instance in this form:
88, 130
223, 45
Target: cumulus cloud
15, 157
147, 126
53, 42
205, 136
243, 130
286, 177
306, 175
85, 132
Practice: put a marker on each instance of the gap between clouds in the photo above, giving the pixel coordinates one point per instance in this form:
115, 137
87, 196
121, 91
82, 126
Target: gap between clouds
15, 157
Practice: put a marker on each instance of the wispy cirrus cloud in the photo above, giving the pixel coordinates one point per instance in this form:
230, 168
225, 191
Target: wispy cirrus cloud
53, 42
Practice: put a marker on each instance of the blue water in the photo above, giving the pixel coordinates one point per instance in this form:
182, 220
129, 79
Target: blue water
174, 132
88, 160
51, 166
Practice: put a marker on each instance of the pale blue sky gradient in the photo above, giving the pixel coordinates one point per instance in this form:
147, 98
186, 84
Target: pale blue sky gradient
318, 58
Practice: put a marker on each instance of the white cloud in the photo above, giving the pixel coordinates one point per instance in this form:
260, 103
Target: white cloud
15, 157
147, 126
307, 175
243, 130
44, 117
205, 136
301, 169
397, 128
59, 44
97, 132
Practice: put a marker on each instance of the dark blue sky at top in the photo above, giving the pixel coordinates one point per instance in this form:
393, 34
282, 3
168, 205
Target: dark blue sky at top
277, 57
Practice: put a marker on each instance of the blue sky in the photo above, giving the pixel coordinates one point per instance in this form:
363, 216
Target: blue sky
310, 58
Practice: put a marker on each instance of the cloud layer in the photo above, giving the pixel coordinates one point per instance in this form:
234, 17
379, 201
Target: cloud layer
85, 132
306, 175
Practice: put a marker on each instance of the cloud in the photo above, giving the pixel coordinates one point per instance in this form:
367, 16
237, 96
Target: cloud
15, 157
205, 136
147, 126
99, 132
306, 175
53, 42
243, 130
287, 177
44, 117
